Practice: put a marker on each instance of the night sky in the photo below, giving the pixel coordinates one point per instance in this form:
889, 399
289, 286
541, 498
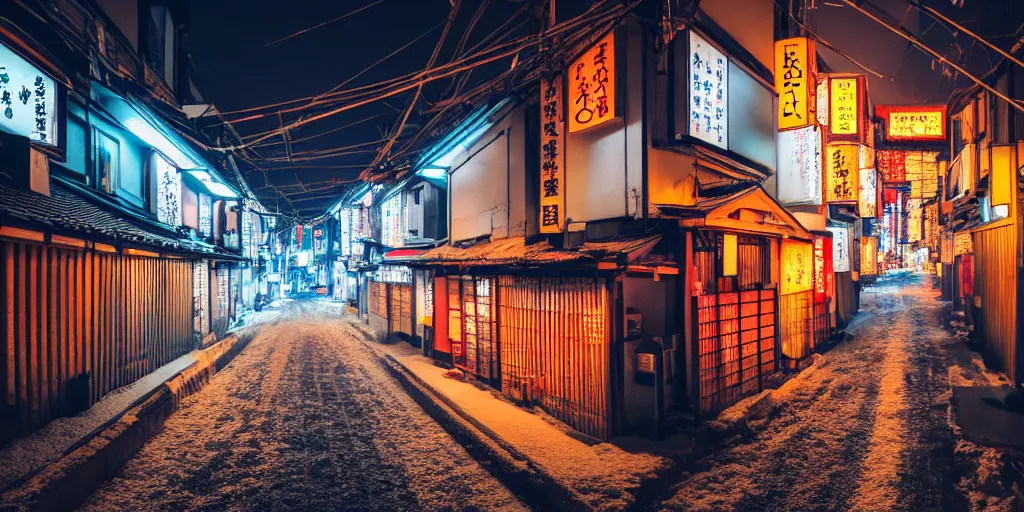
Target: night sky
235, 69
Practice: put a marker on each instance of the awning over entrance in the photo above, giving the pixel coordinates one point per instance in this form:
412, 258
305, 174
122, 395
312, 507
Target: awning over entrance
400, 255
515, 251
749, 210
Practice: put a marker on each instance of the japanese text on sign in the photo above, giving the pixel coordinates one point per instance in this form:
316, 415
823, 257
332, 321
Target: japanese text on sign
842, 181
867, 200
552, 157
923, 123
794, 81
819, 269
843, 106
27, 99
840, 249
869, 256
709, 100
797, 267
592, 86
799, 171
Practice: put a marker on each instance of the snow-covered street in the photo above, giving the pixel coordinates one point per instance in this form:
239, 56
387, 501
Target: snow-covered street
304, 418
868, 430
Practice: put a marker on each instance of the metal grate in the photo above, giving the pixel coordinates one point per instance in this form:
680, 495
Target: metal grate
736, 345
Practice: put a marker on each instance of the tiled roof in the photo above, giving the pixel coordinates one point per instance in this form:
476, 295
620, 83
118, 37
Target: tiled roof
515, 251
66, 211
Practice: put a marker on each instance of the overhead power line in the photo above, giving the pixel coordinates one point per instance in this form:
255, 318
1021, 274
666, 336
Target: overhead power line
339, 18
933, 53
939, 16
829, 45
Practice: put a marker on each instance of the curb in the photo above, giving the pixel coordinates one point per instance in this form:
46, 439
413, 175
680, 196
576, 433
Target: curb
71, 480
532, 484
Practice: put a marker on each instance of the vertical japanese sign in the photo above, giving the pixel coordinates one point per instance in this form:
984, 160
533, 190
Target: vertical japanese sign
820, 287
844, 106
840, 249
797, 267
27, 99
799, 170
794, 81
205, 215
841, 177
821, 105
592, 86
867, 199
868, 256
709, 93
552, 156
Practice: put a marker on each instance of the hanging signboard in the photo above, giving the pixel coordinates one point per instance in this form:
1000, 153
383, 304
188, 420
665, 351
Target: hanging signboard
915, 219
820, 289
797, 267
709, 93
867, 198
205, 215
794, 81
946, 252
28, 99
841, 177
592, 86
845, 103
821, 103
799, 173
840, 249
892, 165
913, 123
552, 157
868, 256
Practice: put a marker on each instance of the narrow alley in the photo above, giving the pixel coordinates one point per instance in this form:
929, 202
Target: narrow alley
868, 430
303, 419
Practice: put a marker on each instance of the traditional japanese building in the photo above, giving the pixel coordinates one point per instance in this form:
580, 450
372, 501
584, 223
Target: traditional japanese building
613, 252
115, 232
980, 208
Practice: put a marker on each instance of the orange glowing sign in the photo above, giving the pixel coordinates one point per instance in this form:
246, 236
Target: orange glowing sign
797, 267
794, 81
868, 256
592, 86
552, 156
918, 123
845, 103
842, 179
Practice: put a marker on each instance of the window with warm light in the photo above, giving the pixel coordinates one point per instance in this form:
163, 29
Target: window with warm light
730, 250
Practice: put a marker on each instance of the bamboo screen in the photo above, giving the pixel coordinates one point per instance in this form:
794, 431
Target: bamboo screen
555, 347
736, 345
80, 324
796, 312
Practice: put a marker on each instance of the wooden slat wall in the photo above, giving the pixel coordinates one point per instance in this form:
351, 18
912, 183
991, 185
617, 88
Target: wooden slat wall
553, 342
796, 318
78, 324
995, 278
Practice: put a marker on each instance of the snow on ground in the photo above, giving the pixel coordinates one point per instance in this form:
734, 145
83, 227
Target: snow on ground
304, 418
26, 455
604, 475
869, 430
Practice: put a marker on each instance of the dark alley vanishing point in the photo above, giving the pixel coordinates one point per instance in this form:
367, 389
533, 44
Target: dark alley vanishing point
304, 419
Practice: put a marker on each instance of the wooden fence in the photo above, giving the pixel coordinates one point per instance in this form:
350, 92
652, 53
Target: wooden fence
736, 345
78, 324
555, 347
995, 281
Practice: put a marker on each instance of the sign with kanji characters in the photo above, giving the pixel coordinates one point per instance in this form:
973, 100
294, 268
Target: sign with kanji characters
892, 165
845, 103
821, 102
28, 99
916, 123
794, 81
318, 233
797, 267
820, 287
868, 256
552, 156
709, 93
867, 198
842, 182
840, 249
799, 162
592, 86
